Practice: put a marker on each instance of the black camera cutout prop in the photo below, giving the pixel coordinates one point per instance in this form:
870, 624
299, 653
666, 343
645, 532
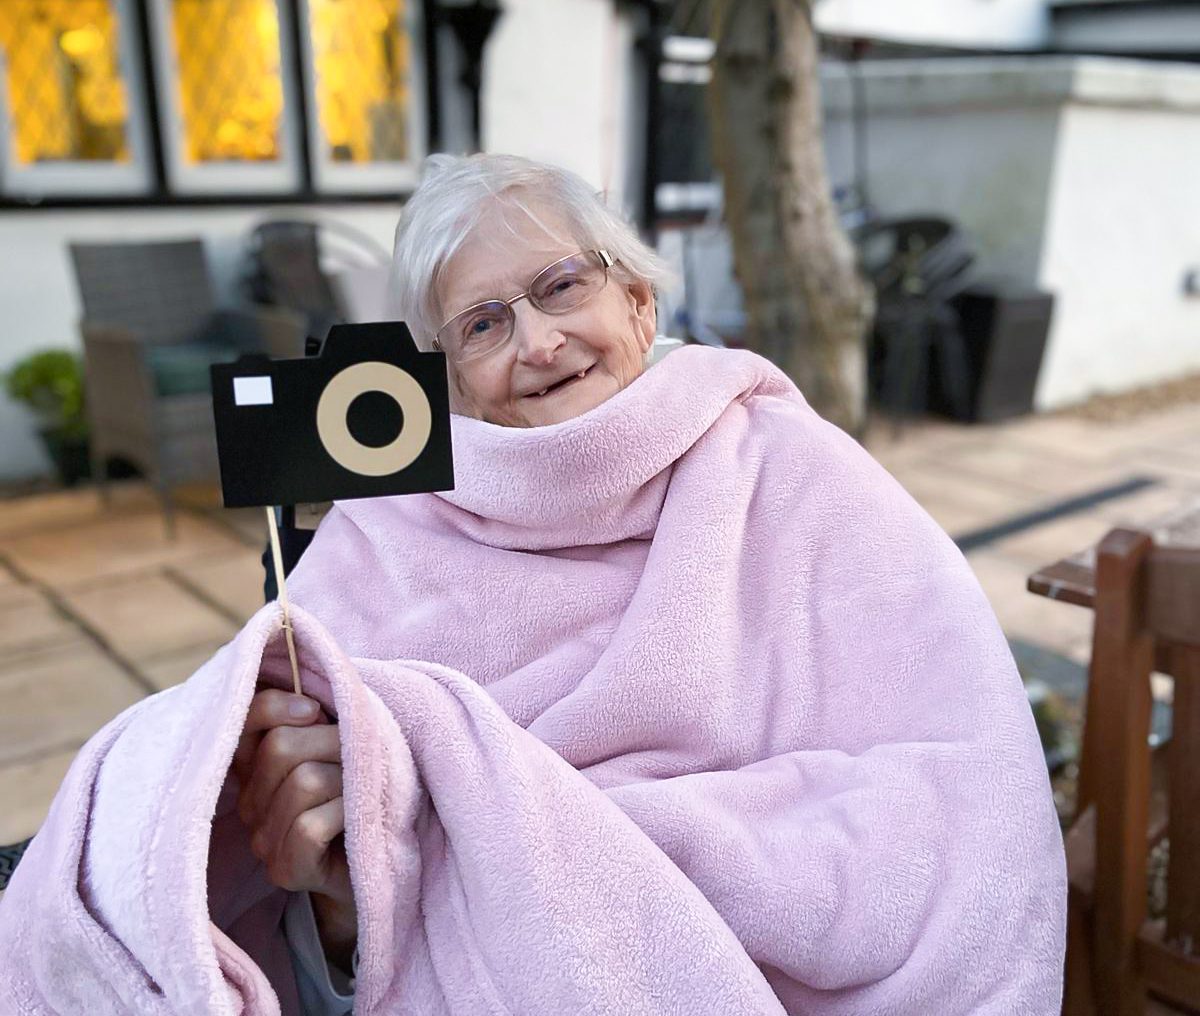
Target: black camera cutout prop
316, 428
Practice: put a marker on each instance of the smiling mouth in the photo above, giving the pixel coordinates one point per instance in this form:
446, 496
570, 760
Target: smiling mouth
560, 385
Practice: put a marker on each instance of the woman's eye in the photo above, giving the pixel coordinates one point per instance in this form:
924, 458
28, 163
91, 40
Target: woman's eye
560, 285
479, 328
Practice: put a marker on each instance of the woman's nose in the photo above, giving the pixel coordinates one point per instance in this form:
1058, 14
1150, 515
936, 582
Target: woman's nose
535, 334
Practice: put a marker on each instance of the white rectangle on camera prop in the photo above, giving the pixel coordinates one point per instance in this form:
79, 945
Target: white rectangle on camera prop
253, 391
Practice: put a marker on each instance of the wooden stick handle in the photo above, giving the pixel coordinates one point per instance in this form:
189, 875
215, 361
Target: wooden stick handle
277, 556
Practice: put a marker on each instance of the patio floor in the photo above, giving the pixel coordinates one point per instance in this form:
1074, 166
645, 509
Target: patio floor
98, 608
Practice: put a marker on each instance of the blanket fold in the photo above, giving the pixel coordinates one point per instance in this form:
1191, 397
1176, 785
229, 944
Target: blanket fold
680, 706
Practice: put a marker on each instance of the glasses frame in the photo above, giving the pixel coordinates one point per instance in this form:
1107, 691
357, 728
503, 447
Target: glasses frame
607, 261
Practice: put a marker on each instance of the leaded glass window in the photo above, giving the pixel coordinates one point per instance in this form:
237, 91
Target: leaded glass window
230, 89
67, 96
229, 118
363, 73
361, 54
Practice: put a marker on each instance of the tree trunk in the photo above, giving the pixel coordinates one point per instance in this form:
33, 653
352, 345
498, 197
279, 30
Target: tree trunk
808, 308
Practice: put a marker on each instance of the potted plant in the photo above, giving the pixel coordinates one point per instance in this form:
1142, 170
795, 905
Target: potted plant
50, 383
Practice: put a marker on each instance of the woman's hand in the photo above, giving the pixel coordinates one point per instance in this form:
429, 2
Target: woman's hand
289, 764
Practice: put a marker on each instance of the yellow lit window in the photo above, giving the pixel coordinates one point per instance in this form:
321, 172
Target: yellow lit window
66, 95
361, 52
230, 88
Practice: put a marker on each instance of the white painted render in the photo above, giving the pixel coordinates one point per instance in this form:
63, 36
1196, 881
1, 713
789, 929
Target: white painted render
39, 303
1077, 175
971, 24
558, 86
1031, 155
1122, 233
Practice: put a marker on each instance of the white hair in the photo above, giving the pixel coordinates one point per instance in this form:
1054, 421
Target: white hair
454, 194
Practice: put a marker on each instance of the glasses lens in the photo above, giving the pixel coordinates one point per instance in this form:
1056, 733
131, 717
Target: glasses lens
477, 330
566, 285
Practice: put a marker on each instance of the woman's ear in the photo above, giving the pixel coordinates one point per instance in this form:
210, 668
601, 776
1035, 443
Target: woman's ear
645, 314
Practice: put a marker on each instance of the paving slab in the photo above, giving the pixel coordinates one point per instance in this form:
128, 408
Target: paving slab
1059, 627
250, 524
960, 507
1046, 543
114, 545
148, 615
56, 700
1166, 430
80, 505
1065, 438
1179, 465
233, 583
917, 440
173, 668
952, 518
29, 622
946, 476
1018, 469
26, 790
165, 607
1147, 506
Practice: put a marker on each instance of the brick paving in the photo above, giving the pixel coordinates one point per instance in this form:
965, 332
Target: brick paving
99, 608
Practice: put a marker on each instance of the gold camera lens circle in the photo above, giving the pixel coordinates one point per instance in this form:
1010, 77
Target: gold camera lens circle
346, 450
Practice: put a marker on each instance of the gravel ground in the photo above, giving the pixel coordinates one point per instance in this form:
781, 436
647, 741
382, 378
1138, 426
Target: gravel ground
1126, 406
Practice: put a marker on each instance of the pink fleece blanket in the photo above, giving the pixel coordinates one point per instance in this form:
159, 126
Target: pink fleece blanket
682, 706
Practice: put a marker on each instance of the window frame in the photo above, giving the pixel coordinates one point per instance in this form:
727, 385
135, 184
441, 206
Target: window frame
375, 177
87, 177
156, 175
283, 176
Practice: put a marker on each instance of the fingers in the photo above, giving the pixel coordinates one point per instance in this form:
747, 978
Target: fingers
280, 751
306, 858
309, 786
289, 765
271, 708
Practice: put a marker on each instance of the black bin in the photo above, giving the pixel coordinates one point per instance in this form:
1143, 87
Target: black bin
1004, 328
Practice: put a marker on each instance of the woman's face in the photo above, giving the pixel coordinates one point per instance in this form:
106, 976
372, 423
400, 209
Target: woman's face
605, 339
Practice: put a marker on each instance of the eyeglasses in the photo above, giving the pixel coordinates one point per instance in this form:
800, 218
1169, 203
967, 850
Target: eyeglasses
559, 288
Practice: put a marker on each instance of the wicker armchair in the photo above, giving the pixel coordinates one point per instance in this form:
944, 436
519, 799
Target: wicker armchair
323, 270
150, 330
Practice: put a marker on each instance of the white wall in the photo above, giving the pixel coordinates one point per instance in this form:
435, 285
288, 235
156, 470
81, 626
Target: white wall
973, 24
991, 170
1077, 175
560, 84
972, 137
39, 305
557, 84
1124, 228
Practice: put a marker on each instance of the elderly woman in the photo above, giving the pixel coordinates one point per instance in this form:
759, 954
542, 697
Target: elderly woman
860, 692
677, 703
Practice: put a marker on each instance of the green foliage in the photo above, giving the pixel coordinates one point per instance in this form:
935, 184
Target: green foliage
51, 384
